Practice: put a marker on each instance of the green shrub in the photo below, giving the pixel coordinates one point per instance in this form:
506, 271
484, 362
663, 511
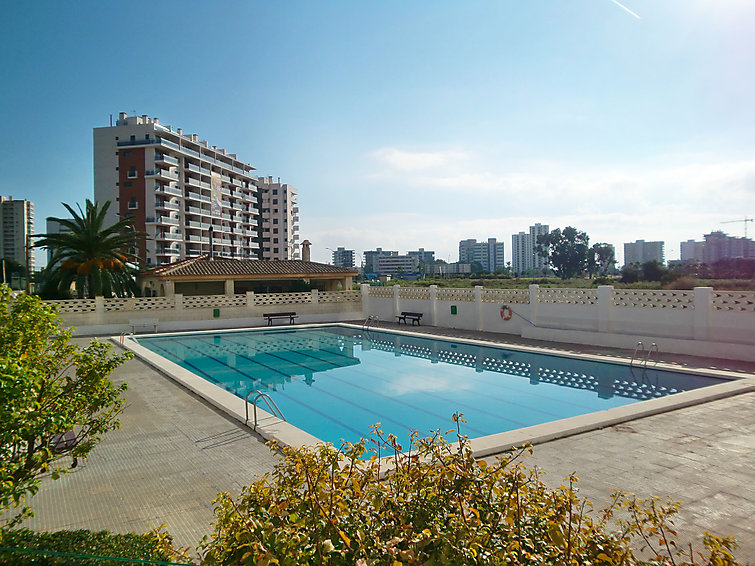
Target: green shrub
433, 504
82, 543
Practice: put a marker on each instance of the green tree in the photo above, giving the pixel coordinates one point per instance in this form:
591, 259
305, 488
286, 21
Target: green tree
566, 252
602, 258
48, 387
93, 256
652, 270
631, 273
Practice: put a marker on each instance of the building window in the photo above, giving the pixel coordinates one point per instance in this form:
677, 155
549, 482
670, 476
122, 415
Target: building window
132, 173
275, 250
275, 201
126, 154
275, 240
275, 230
275, 191
128, 184
132, 204
133, 138
275, 221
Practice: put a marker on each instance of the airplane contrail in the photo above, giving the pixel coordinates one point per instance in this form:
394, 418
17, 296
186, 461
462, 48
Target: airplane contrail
620, 5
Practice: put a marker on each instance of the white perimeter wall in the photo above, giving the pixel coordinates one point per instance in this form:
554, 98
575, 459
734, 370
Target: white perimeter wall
700, 322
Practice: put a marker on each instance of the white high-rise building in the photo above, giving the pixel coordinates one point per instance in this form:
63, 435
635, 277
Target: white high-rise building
16, 227
279, 214
189, 197
642, 251
343, 257
488, 254
524, 258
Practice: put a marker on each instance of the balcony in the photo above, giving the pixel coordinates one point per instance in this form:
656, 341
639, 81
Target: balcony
168, 205
169, 236
161, 174
165, 189
162, 158
138, 142
177, 147
166, 251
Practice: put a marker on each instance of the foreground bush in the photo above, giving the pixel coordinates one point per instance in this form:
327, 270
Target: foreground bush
435, 504
82, 548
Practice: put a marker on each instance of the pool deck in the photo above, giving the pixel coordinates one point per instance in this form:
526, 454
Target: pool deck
174, 453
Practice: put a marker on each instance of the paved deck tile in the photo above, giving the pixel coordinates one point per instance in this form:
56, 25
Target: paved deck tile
174, 453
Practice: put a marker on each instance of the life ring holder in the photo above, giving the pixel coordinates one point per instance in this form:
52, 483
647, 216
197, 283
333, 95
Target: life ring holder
506, 312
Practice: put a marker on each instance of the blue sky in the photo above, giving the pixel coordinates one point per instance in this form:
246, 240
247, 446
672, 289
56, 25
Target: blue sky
407, 125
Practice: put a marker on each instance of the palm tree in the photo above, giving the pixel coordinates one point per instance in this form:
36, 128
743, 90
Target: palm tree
94, 257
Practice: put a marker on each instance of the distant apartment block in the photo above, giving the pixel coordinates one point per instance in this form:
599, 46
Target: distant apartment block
642, 251
524, 258
719, 245
16, 227
691, 251
343, 257
186, 194
55, 227
397, 264
443, 269
488, 254
371, 258
279, 219
425, 258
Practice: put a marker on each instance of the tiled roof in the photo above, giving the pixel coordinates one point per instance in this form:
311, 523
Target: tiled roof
204, 267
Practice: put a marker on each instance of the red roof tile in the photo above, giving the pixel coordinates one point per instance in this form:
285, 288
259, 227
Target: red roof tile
205, 267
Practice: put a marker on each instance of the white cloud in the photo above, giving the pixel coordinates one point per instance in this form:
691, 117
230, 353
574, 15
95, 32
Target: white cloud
433, 199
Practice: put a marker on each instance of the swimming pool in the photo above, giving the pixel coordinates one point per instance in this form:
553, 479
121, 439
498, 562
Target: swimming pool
335, 381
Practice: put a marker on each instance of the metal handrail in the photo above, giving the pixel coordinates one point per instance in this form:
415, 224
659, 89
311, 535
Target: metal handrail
639, 347
274, 409
653, 346
368, 321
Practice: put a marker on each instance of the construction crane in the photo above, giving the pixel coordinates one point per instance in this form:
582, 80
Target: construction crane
745, 221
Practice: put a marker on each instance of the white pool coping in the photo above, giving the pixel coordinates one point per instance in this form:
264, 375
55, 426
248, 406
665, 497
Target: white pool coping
271, 427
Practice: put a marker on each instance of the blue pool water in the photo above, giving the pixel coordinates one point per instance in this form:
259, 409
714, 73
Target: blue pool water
334, 382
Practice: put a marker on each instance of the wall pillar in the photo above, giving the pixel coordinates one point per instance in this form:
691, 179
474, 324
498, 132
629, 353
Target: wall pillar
178, 300
250, 299
433, 306
99, 309
478, 307
315, 296
365, 289
605, 307
396, 301
229, 288
703, 302
534, 303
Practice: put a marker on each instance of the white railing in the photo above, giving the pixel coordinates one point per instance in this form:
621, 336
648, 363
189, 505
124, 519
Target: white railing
461, 295
654, 299
339, 297
282, 298
421, 293
739, 301
509, 296
75, 305
568, 296
213, 301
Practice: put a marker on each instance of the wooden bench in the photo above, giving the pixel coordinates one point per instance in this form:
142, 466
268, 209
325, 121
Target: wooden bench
413, 316
143, 324
273, 315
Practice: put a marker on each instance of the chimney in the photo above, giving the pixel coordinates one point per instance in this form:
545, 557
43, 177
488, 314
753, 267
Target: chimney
305, 250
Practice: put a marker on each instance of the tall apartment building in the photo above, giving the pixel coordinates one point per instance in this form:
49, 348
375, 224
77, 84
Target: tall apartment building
691, 251
279, 217
524, 259
371, 258
642, 251
190, 197
425, 258
396, 264
343, 257
488, 254
16, 227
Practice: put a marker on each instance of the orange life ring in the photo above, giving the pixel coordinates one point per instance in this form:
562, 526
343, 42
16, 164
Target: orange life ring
506, 312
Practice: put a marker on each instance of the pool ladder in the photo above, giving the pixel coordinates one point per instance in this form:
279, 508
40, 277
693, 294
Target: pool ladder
369, 321
644, 356
276, 412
